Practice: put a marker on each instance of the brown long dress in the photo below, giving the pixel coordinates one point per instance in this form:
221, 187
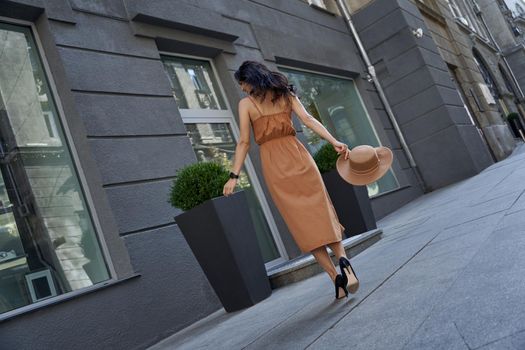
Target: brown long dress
294, 181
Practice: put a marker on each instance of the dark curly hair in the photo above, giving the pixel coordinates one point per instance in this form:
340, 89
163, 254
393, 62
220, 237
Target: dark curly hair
263, 80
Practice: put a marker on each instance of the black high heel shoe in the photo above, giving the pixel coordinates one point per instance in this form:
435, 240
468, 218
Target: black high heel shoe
340, 286
350, 279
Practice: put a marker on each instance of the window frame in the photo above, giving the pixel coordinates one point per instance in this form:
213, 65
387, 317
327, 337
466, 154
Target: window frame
454, 8
322, 5
477, 25
89, 202
466, 12
189, 115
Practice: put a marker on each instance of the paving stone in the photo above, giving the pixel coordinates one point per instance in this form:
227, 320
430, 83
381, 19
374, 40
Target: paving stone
486, 302
236, 330
437, 335
449, 273
519, 204
513, 342
464, 235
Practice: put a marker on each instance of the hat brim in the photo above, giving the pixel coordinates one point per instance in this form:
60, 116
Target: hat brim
345, 171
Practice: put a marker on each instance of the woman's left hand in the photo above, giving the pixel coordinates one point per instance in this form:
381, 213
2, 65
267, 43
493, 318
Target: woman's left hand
229, 186
341, 148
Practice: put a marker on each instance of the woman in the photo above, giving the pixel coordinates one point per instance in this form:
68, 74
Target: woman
290, 172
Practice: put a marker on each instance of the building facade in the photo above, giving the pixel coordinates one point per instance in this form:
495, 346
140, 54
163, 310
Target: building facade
509, 34
102, 102
516, 7
476, 65
514, 12
516, 18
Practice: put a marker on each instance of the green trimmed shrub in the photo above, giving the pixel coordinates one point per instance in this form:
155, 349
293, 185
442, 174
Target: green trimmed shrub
196, 183
512, 116
325, 158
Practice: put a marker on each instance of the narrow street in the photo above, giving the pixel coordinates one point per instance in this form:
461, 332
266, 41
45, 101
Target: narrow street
449, 273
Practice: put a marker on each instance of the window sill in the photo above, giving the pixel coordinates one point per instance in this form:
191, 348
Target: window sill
431, 11
400, 188
320, 8
63, 298
471, 31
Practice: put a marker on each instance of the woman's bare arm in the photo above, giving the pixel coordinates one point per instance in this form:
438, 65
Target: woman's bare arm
243, 145
316, 126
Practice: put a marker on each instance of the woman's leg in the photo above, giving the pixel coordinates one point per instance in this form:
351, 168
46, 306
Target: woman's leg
322, 257
338, 249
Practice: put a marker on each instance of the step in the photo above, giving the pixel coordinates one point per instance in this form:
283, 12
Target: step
306, 266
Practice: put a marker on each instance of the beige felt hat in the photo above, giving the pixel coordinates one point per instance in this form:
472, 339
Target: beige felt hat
365, 164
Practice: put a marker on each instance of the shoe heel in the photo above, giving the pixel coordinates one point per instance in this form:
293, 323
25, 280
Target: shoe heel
340, 287
350, 277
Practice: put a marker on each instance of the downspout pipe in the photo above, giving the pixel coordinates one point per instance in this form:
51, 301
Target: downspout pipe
371, 71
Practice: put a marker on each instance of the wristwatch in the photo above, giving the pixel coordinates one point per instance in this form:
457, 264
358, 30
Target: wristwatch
233, 175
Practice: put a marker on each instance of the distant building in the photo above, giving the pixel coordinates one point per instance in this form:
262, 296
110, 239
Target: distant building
505, 20
517, 7
475, 65
514, 11
472, 62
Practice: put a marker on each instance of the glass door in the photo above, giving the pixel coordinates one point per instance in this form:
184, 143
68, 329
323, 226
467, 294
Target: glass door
213, 133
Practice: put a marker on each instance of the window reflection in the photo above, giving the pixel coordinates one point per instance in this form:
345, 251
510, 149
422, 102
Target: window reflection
48, 245
335, 103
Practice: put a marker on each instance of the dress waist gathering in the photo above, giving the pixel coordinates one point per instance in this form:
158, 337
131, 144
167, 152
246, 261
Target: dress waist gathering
276, 138
269, 127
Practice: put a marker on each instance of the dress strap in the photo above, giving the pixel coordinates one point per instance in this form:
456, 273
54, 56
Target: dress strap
251, 99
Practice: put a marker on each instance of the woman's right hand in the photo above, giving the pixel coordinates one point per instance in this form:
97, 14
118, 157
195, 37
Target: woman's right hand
341, 148
229, 187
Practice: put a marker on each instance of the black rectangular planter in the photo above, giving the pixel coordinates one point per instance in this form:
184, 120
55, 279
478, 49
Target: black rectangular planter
351, 204
221, 234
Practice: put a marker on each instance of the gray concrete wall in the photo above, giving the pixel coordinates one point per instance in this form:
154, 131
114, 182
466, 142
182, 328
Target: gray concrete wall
118, 104
104, 59
445, 145
499, 27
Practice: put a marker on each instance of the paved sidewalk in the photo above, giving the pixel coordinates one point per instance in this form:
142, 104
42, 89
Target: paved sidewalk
449, 273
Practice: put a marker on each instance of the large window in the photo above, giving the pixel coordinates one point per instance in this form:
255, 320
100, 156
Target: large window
194, 87
486, 74
213, 134
465, 11
336, 103
48, 244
